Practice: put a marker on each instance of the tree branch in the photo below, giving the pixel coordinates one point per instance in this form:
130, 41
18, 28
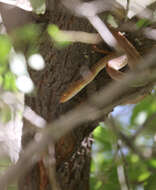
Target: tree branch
93, 109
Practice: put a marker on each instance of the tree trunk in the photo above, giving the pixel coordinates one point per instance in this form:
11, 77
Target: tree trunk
63, 66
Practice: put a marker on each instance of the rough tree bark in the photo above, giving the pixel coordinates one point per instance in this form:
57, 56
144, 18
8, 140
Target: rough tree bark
63, 66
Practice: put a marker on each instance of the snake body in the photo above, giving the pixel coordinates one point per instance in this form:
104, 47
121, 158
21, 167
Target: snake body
78, 85
131, 57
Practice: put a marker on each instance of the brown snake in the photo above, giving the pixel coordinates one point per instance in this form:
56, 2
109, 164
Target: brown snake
77, 86
131, 57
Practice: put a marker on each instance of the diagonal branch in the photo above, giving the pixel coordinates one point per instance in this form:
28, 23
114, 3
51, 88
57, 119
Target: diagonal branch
93, 109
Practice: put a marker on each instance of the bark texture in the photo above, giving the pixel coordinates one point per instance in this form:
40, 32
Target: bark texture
63, 66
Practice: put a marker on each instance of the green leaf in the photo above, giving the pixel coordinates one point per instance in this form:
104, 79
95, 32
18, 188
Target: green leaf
134, 158
3, 68
104, 134
9, 82
1, 80
143, 23
144, 176
153, 163
5, 47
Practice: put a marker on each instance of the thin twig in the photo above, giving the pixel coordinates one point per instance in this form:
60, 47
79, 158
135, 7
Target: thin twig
127, 9
119, 144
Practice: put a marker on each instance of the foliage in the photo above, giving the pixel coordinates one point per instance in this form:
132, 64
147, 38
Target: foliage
13, 65
109, 154
6, 78
103, 169
13, 74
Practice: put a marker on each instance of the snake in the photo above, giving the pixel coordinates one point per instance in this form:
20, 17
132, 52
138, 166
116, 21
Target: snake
78, 85
130, 57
